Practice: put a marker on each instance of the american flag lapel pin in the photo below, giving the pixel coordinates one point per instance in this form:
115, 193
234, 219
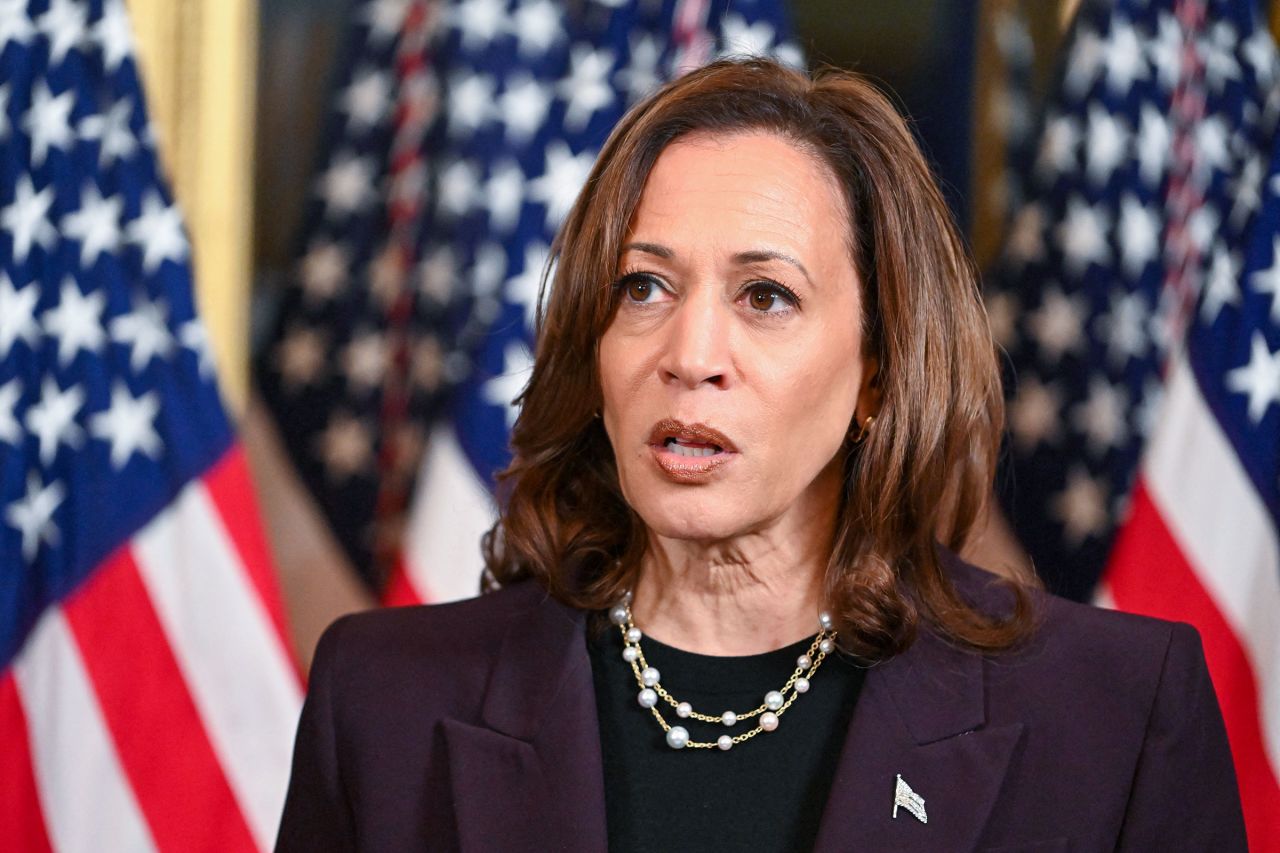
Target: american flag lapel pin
909, 800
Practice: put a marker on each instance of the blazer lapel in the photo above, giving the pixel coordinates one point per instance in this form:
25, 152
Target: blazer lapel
921, 717
531, 777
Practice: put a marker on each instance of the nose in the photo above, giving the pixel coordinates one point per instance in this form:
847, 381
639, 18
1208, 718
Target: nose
697, 349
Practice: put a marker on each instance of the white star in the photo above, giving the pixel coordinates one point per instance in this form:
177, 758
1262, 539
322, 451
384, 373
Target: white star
1123, 58
324, 271
113, 34
586, 90
33, 515
479, 21
1221, 286
1260, 378
1268, 281
1087, 56
502, 390
1211, 144
144, 331
1259, 50
1083, 236
639, 76
128, 425
96, 224
76, 322
459, 187
345, 446
523, 289
15, 25
559, 185
48, 121
301, 357
504, 196
118, 141
738, 38
1218, 51
364, 361
1107, 145
1154, 143
195, 338
1202, 227
1081, 507
27, 218
64, 26
1102, 416
1058, 146
537, 27
1026, 237
1125, 327
438, 274
1035, 414
489, 270
4, 110
522, 108
158, 230
348, 185
1246, 190
1164, 51
53, 419
1148, 408
1139, 235
17, 315
1058, 324
384, 18
367, 99
470, 103
10, 429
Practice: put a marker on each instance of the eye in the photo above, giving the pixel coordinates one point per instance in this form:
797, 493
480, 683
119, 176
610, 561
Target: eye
769, 297
640, 288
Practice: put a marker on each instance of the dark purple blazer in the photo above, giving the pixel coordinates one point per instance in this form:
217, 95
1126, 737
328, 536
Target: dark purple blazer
472, 726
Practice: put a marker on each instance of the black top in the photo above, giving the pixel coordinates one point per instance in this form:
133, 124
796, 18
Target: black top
764, 794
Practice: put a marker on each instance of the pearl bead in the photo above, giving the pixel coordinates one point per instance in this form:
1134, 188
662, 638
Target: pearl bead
773, 700
804, 662
768, 721
684, 710
647, 698
802, 685
824, 619
630, 654
729, 718
677, 737
826, 647
650, 676
724, 742
618, 614
633, 635
626, 597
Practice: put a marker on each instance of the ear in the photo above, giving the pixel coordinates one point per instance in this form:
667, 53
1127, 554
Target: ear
869, 393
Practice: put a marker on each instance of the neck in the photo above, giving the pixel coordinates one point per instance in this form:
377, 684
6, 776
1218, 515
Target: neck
750, 595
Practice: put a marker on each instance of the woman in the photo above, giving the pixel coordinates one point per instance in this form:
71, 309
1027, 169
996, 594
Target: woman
720, 616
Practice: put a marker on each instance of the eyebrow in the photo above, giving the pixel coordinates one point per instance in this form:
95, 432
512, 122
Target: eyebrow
755, 256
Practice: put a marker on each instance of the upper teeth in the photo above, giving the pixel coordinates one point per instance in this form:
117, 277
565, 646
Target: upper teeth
680, 449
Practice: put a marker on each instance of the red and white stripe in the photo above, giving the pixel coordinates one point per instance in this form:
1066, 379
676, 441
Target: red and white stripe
154, 709
452, 508
1200, 547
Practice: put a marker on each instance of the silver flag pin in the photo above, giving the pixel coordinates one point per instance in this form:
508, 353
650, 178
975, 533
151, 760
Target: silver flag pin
908, 799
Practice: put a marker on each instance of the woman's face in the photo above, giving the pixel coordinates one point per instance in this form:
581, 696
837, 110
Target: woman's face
733, 365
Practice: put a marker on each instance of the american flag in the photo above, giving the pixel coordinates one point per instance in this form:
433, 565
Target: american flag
1147, 346
523, 93
147, 695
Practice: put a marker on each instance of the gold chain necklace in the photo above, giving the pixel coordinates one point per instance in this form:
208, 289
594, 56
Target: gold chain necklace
775, 704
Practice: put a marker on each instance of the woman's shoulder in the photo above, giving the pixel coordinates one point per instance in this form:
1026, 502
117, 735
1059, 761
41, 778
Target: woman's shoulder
453, 643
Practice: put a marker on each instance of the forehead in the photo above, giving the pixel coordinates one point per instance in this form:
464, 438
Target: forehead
744, 183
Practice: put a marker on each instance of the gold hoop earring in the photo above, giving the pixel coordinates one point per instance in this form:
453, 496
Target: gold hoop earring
865, 430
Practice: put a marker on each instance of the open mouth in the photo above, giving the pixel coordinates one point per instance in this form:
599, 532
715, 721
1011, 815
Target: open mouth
691, 448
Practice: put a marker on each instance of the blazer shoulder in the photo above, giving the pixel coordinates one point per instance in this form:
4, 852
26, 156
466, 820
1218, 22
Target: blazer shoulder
450, 646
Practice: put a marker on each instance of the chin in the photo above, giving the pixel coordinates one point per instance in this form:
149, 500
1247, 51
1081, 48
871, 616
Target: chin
693, 519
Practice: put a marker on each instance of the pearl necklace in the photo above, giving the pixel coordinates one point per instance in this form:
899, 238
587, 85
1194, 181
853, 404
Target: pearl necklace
775, 704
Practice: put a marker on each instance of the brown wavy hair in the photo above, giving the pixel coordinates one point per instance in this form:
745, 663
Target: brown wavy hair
924, 472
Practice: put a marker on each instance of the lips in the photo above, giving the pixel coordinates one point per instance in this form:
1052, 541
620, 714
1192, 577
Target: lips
689, 453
